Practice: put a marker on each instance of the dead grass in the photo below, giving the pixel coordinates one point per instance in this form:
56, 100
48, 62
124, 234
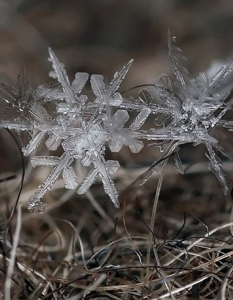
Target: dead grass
83, 248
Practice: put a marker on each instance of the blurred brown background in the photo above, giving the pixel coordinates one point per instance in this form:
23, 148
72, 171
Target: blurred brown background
101, 36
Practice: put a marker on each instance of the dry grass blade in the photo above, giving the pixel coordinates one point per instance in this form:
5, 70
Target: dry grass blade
12, 260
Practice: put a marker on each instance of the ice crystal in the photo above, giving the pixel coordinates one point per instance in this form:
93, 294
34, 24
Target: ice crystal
81, 137
83, 127
193, 108
24, 106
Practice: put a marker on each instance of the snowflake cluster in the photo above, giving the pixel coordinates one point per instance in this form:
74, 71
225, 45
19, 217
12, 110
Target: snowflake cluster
186, 111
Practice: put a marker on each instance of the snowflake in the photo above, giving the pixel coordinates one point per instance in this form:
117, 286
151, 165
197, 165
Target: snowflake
82, 126
191, 110
24, 106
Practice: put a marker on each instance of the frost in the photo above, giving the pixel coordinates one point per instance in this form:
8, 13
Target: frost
82, 127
